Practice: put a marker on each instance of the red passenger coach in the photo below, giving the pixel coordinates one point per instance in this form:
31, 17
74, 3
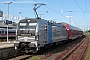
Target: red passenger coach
73, 32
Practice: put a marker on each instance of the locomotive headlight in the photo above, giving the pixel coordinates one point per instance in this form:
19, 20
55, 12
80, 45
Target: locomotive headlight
37, 37
16, 42
28, 20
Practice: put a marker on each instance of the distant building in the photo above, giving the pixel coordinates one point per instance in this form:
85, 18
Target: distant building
1, 15
4, 25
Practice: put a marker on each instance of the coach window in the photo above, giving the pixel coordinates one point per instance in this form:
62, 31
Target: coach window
2, 32
63, 26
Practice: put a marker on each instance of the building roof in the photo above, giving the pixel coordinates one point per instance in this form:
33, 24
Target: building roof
2, 24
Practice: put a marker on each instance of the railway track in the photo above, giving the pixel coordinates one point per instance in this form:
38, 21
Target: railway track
54, 53
76, 53
57, 52
21, 57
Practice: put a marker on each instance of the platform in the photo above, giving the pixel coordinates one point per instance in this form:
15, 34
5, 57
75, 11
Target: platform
6, 44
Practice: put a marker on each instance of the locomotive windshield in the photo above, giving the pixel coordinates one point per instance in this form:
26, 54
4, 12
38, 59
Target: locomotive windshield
22, 26
32, 26
27, 26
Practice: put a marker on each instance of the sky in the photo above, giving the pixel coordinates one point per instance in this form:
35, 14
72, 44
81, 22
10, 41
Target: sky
74, 12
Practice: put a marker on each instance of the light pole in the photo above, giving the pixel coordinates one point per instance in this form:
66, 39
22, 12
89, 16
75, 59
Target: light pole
69, 18
8, 17
8, 8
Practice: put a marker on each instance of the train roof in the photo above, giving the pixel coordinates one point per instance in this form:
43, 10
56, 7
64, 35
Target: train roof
29, 19
63, 23
71, 26
51, 22
4, 25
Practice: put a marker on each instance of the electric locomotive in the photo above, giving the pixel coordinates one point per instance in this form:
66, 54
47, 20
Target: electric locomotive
33, 34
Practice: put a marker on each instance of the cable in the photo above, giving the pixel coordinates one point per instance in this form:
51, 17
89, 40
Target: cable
80, 8
52, 9
85, 5
83, 11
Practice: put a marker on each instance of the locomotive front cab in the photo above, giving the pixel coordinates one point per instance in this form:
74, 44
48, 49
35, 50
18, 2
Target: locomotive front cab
27, 37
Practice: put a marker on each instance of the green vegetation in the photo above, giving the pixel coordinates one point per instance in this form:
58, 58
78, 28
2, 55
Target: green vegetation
0, 55
79, 51
88, 49
34, 58
88, 52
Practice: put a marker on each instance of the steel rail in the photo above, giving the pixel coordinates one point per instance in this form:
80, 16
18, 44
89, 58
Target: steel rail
64, 57
84, 51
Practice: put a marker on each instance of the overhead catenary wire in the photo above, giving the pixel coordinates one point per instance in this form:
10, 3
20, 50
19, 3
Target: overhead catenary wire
79, 6
85, 9
83, 12
86, 16
80, 9
52, 10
